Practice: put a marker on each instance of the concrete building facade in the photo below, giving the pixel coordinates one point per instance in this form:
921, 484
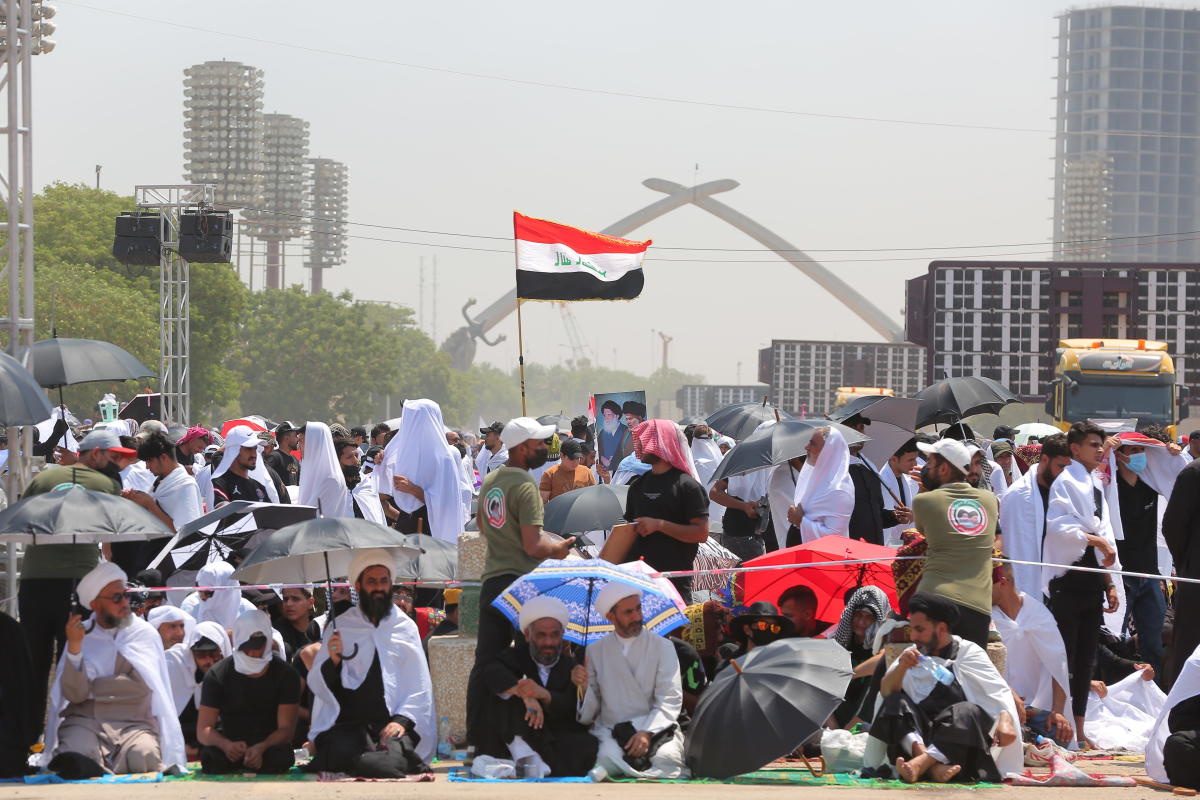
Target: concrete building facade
804, 375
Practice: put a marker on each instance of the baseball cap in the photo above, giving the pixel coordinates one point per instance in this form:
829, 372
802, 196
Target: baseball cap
105, 440
952, 450
522, 429
495, 427
570, 448
1194, 436
452, 596
204, 643
285, 427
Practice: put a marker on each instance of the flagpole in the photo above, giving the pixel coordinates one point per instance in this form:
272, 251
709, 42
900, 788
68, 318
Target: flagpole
521, 356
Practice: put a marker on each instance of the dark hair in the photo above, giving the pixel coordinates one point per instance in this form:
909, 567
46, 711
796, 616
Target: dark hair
959, 431
1155, 432
340, 445
1080, 431
128, 441
373, 451
358, 430
803, 595
155, 445
382, 427
934, 606
688, 430
855, 419
1055, 445
612, 405
908, 447
391, 435
579, 427
588, 448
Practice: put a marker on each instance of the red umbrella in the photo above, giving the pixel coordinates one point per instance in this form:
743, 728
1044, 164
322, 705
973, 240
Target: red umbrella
830, 583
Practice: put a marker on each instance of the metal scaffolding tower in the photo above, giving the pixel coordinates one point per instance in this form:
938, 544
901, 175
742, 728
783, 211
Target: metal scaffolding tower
174, 295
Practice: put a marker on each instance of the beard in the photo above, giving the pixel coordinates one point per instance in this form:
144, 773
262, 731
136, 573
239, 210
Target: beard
352, 475
927, 480
537, 459
610, 425
375, 605
109, 621
544, 658
649, 458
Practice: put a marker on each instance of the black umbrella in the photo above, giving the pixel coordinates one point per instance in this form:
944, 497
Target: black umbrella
437, 562
693, 419
592, 508
221, 533
559, 422
951, 399
739, 420
776, 445
77, 515
64, 362
22, 400
142, 407
766, 706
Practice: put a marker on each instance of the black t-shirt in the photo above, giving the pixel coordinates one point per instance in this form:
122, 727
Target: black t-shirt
229, 487
286, 465
1139, 520
692, 676
294, 639
249, 707
673, 496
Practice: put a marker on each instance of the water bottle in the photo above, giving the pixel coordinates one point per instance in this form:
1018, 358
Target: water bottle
939, 672
444, 748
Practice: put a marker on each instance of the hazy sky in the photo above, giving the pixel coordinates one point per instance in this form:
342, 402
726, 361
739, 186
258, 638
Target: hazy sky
452, 153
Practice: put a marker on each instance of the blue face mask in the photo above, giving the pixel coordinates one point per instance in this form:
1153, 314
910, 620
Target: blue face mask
1137, 462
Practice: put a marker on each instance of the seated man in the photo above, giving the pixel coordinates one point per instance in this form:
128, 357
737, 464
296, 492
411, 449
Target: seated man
633, 695
372, 711
1036, 666
1173, 751
296, 624
799, 604
172, 624
759, 625
535, 713
248, 705
110, 707
187, 664
943, 706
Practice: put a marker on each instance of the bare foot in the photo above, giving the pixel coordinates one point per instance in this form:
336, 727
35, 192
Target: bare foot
911, 771
943, 773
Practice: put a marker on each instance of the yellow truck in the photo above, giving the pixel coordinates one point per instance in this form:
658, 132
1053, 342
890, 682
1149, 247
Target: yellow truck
1115, 379
847, 393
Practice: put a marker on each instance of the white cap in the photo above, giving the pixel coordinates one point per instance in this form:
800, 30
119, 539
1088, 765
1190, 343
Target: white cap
543, 607
522, 429
952, 450
372, 557
102, 575
613, 593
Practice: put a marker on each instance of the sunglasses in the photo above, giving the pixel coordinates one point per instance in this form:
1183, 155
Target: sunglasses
763, 625
116, 598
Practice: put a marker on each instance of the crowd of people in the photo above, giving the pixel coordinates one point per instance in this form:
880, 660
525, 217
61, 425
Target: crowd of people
1056, 548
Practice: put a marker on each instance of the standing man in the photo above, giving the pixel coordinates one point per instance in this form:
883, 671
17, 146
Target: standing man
1079, 533
281, 459
899, 488
510, 521
239, 477
49, 572
959, 523
568, 474
1181, 529
1193, 447
190, 448
493, 454
1023, 513
667, 505
871, 514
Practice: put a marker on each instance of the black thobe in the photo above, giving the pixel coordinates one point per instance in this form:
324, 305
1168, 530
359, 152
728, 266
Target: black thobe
352, 745
1181, 529
18, 730
869, 518
945, 719
1181, 751
564, 744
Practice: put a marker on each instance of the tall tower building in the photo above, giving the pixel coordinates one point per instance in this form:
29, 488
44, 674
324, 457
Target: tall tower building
1127, 144
326, 206
223, 130
281, 214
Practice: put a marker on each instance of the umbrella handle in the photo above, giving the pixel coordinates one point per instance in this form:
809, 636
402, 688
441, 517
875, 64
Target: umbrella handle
333, 617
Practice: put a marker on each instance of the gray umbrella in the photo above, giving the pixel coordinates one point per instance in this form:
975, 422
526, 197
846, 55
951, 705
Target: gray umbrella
438, 560
64, 362
592, 508
776, 445
318, 550
765, 705
78, 515
22, 400
739, 420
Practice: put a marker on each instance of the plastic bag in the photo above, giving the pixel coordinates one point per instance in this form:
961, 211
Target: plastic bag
489, 767
842, 750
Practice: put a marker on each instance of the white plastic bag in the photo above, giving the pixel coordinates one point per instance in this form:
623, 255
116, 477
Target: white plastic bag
489, 767
842, 750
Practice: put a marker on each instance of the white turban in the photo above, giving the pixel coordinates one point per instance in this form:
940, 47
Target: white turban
102, 575
613, 593
543, 607
161, 615
374, 557
213, 632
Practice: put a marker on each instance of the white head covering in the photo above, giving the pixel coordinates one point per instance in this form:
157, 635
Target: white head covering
222, 607
248, 625
214, 633
822, 488
375, 557
101, 575
420, 453
541, 607
613, 593
321, 481
161, 615
707, 457
244, 436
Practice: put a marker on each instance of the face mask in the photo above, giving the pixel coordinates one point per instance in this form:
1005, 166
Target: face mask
927, 480
251, 665
763, 637
1137, 462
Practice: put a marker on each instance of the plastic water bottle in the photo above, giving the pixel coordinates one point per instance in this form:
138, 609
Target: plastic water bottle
939, 672
444, 747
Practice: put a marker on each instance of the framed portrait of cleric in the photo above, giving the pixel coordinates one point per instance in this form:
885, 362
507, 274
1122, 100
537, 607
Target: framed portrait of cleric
617, 413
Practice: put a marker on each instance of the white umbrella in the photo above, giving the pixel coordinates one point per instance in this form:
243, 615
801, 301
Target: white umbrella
1038, 429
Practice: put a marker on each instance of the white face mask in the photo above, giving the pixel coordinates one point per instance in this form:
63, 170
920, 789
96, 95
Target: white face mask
251, 665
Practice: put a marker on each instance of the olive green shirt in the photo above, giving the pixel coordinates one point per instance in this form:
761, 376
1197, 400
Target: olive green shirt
959, 523
64, 560
508, 499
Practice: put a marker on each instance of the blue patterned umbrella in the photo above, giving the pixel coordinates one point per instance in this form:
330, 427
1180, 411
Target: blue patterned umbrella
577, 583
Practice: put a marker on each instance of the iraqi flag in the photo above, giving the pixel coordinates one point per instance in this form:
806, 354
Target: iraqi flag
558, 262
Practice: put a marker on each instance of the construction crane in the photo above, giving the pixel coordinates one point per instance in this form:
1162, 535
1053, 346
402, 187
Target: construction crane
581, 354
666, 340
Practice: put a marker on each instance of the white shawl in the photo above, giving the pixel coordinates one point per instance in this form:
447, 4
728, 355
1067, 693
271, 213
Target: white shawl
707, 457
1021, 520
407, 688
781, 490
238, 436
181, 666
891, 494
1037, 657
366, 497
825, 491
322, 484
485, 460
136, 476
419, 452
224, 605
1162, 469
1187, 686
1070, 517
179, 496
141, 646
1125, 716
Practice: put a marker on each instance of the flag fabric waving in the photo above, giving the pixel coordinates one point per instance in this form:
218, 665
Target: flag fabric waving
558, 262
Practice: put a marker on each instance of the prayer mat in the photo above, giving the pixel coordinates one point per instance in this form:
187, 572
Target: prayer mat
342, 777
1064, 774
463, 775
50, 777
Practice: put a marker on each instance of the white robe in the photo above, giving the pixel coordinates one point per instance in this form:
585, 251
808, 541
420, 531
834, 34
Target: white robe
179, 496
982, 685
322, 484
486, 460
136, 476
1187, 686
181, 666
781, 491
407, 687
643, 688
825, 491
999, 480
1021, 520
892, 536
1124, 717
141, 646
1037, 657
